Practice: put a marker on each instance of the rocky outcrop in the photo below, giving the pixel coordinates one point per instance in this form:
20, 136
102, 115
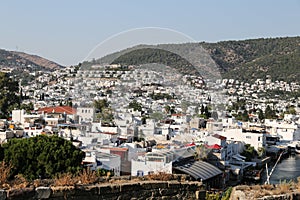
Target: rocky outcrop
284, 191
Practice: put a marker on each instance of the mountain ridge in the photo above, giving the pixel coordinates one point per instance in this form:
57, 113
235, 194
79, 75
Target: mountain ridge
17, 59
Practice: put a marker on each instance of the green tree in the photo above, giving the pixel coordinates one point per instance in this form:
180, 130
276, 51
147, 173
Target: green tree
245, 116
101, 104
184, 106
167, 109
249, 152
27, 107
290, 110
261, 115
157, 116
8, 95
206, 112
135, 105
202, 109
42, 156
270, 113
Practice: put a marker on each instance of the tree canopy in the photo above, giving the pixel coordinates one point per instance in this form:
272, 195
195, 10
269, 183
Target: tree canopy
9, 98
42, 156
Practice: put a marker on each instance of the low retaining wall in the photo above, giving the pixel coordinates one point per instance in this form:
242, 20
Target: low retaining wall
114, 191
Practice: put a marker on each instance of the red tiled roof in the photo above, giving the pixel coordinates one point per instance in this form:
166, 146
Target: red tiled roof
58, 109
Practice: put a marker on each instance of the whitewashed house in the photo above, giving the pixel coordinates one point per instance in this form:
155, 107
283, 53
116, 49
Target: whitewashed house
85, 114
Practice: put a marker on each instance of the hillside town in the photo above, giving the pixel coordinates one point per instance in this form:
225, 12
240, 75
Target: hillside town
139, 121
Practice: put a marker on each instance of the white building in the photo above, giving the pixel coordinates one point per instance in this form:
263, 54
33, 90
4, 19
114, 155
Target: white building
256, 140
99, 160
19, 116
85, 114
288, 131
153, 162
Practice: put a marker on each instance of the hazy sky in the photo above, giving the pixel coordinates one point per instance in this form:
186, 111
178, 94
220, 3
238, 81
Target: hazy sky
65, 31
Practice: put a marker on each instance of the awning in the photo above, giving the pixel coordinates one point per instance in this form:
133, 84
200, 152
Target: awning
199, 170
214, 146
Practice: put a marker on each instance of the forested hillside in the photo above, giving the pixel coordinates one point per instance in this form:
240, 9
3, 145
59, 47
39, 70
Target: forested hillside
252, 59
150, 55
245, 60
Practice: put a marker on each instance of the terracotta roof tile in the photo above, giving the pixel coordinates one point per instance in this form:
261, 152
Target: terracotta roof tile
58, 109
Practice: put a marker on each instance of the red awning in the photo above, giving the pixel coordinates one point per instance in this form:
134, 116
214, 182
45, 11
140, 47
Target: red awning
215, 146
190, 145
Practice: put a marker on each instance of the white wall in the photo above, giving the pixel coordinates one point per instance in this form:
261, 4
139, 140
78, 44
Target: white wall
32, 131
18, 116
148, 166
254, 139
111, 163
86, 114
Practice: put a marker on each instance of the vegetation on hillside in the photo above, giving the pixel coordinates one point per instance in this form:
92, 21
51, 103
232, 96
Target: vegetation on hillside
152, 55
245, 60
248, 60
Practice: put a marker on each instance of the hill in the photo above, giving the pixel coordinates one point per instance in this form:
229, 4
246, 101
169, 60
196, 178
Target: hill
188, 58
251, 59
20, 60
245, 60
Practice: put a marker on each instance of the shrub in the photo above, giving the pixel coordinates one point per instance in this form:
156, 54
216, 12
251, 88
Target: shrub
226, 194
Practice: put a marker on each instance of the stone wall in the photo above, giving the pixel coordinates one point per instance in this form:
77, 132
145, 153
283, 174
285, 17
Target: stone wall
132, 190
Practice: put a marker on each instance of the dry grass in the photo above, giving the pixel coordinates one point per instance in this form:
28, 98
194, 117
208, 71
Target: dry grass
19, 181
268, 187
255, 194
297, 184
5, 170
284, 187
37, 183
160, 176
259, 191
66, 179
87, 176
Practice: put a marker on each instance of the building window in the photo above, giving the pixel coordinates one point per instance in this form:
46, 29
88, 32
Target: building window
248, 137
140, 173
258, 138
